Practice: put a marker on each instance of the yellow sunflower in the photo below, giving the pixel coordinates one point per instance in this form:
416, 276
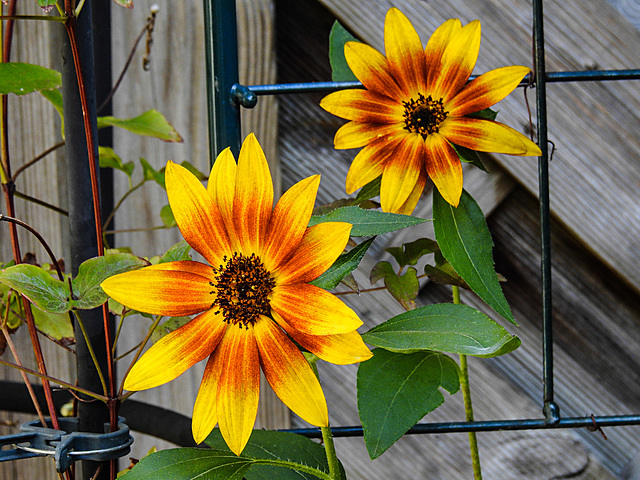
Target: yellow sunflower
252, 299
418, 103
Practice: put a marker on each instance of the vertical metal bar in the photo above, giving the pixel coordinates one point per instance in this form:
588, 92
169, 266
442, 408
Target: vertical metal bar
550, 409
221, 51
82, 238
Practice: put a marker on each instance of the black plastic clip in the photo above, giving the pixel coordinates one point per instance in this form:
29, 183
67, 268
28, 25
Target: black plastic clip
67, 445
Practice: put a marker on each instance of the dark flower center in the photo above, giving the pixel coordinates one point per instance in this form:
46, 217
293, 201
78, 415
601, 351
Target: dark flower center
423, 115
242, 290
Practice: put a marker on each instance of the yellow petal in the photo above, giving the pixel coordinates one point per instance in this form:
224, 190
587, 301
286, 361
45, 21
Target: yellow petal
253, 200
177, 351
435, 49
321, 245
369, 163
487, 136
404, 52
239, 386
289, 374
196, 214
357, 134
341, 349
410, 203
372, 69
458, 60
401, 173
205, 416
312, 310
289, 221
221, 186
486, 90
176, 288
363, 106
444, 168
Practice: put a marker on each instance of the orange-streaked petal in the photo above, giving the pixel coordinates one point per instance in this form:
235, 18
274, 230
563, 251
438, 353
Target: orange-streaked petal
458, 60
358, 134
486, 90
369, 163
487, 136
403, 49
436, 47
289, 221
289, 374
239, 386
321, 245
363, 106
205, 416
312, 310
372, 69
341, 349
253, 200
444, 168
221, 186
196, 214
410, 203
163, 290
177, 351
401, 173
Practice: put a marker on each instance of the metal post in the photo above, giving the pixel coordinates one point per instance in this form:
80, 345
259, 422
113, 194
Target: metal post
221, 51
82, 239
551, 410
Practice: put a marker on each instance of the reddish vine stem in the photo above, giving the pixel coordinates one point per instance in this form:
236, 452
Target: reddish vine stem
8, 189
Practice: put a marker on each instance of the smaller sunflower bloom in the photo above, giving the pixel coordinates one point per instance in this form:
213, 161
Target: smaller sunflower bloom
417, 104
252, 300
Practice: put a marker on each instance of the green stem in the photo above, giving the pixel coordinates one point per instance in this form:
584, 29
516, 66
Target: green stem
468, 406
327, 435
91, 351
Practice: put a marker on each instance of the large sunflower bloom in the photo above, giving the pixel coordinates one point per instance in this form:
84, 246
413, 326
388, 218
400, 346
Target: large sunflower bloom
416, 105
252, 299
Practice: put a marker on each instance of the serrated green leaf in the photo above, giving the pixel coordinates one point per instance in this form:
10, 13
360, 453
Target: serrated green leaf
110, 159
340, 71
395, 391
345, 264
23, 78
466, 243
269, 445
150, 124
179, 251
189, 464
35, 283
444, 327
166, 215
410, 253
367, 223
92, 272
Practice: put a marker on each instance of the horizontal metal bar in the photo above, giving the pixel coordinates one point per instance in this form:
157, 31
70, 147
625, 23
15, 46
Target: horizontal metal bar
245, 96
487, 426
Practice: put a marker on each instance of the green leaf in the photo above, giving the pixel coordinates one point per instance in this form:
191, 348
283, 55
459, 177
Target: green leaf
470, 156
23, 78
197, 173
124, 3
188, 464
445, 275
369, 191
410, 253
466, 243
168, 326
35, 283
151, 124
179, 251
395, 391
345, 264
340, 71
151, 173
92, 272
487, 114
444, 327
46, 5
269, 445
404, 288
367, 223
56, 325
109, 159
166, 215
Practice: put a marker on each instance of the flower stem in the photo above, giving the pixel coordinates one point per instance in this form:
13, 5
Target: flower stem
468, 406
91, 351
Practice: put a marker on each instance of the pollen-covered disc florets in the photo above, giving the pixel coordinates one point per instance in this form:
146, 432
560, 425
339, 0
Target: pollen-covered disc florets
424, 115
242, 289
